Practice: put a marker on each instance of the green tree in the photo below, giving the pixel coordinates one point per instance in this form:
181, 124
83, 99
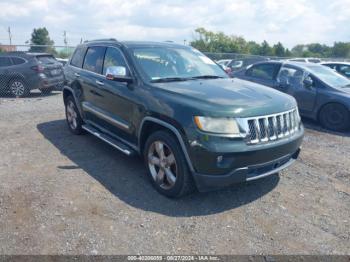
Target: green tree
278, 50
40, 36
265, 49
341, 49
208, 41
253, 48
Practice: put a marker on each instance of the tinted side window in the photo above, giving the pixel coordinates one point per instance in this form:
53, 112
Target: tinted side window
263, 71
5, 61
113, 57
344, 69
291, 76
17, 60
94, 59
78, 57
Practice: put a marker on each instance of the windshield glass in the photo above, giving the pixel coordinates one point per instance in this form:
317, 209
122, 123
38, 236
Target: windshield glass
175, 63
329, 76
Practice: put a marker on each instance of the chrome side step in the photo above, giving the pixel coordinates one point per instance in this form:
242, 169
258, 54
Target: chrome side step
109, 140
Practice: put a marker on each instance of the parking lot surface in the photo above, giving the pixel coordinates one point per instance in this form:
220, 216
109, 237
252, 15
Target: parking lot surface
66, 194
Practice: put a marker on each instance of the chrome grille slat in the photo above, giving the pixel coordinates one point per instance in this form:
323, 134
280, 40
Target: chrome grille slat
272, 127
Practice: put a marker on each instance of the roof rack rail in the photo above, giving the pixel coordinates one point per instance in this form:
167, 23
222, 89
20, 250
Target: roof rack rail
101, 40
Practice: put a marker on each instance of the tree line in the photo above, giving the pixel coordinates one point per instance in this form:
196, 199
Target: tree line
218, 42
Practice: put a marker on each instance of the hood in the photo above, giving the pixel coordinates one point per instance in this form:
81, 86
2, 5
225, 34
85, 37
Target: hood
237, 96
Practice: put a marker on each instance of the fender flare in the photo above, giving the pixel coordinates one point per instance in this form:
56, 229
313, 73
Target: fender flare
173, 130
71, 90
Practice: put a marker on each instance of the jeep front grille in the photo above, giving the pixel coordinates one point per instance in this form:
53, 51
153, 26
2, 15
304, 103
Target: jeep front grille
272, 127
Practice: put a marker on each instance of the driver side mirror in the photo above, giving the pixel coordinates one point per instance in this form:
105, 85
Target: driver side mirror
118, 73
308, 82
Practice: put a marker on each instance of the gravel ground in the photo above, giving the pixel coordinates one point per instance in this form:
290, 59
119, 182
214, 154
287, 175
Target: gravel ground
66, 194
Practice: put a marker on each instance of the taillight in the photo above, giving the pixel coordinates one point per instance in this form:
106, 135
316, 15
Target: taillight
38, 68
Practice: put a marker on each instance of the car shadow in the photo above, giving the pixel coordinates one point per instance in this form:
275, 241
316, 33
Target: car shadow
126, 177
32, 94
315, 126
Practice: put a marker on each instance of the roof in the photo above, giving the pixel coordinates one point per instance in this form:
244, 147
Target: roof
302, 65
335, 62
24, 54
132, 44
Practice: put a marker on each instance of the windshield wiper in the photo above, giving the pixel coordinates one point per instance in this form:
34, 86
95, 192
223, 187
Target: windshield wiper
207, 77
170, 79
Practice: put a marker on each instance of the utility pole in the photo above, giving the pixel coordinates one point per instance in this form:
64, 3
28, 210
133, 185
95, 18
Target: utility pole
10, 34
65, 38
65, 41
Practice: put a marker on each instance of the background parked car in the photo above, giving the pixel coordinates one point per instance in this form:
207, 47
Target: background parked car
341, 67
306, 60
63, 61
223, 62
321, 93
21, 72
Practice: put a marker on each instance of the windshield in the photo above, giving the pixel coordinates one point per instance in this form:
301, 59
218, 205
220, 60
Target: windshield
329, 76
175, 64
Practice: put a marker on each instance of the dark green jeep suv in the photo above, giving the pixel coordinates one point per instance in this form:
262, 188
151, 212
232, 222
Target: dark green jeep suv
194, 126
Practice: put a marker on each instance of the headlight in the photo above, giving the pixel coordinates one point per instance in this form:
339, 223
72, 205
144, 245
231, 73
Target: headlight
220, 125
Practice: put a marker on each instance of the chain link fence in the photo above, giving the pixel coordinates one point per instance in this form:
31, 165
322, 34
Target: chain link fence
37, 69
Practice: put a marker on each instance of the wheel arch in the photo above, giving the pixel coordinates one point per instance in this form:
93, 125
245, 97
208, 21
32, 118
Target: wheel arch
68, 91
150, 124
15, 76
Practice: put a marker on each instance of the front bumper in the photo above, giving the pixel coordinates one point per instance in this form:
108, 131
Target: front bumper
239, 175
244, 163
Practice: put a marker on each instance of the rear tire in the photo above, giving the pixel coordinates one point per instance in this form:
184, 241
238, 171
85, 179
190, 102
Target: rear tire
167, 166
73, 117
335, 117
18, 88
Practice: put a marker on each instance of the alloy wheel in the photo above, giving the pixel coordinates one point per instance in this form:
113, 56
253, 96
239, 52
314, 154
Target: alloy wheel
17, 88
162, 164
72, 115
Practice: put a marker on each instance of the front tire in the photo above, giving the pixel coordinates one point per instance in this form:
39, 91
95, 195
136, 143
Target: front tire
167, 166
73, 117
335, 117
18, 88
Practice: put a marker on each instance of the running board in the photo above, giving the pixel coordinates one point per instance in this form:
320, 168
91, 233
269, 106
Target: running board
109, 140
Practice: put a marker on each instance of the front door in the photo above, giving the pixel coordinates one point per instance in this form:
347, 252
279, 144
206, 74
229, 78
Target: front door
291, 81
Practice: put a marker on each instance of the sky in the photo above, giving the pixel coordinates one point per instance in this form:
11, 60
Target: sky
288, 21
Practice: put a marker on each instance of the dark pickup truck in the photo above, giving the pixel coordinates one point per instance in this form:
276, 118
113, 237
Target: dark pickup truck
193, 125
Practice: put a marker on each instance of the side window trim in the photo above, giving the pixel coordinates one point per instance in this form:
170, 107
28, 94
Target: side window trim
71, 59
21, 58
122, 53
274, 75
103, 59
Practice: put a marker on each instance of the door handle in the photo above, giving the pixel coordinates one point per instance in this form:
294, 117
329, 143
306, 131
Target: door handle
76, 74
95, 93
100, 83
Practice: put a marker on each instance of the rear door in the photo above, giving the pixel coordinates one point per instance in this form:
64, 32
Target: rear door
91, 80
290, 81
263, 73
